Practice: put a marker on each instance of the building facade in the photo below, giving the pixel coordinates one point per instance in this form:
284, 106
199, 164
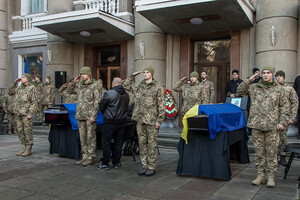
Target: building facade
175, 37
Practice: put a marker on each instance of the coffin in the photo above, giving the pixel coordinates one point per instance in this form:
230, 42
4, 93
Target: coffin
199, 122
57, 114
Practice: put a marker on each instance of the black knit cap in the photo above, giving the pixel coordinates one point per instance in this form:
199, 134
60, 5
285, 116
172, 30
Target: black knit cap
235, 71
280, 73
255, 70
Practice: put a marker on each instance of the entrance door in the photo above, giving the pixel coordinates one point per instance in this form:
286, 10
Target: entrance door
217, 73
107, 74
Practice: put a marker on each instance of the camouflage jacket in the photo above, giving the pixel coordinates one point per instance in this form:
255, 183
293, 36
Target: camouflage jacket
88, 99
68, 97
8, 103
269, 105
210, 89
192, 93
25, 99
49, 93
292, 100
39, 87
101, 92
149, 101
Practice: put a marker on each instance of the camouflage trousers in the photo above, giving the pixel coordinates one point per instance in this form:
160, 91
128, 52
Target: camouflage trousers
282, 141
87, 133
39, 113
10, 121
147, 135
266, 148
24, 127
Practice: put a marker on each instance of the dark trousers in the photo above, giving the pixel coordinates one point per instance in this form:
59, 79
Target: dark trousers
112, 131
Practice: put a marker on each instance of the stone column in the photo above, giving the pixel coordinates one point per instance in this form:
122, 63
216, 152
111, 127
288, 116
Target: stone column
276, 35
150, 40
3, 44
60, 58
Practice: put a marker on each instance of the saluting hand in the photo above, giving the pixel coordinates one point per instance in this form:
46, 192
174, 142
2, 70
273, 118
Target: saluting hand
137, 73
65, 85
253, 77
184, 78
77, 79
17, 80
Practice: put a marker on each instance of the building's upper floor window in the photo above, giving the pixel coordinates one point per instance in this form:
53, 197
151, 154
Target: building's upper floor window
33, 6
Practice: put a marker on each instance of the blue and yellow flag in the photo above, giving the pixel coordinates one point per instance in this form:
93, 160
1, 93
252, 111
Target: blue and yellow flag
191, 113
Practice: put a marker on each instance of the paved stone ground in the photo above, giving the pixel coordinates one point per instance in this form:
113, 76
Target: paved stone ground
43, 176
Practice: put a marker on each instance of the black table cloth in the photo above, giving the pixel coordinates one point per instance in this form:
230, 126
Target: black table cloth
205, 157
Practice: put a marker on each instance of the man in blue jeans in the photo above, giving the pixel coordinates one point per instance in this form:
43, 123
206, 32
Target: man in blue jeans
114, 107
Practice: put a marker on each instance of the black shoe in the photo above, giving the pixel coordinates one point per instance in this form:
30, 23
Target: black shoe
142, 172
116, 166
282, 161
103, 167
150, 172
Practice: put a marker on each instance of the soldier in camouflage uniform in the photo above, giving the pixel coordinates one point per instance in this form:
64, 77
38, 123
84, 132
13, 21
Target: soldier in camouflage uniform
24, 106
268, 114
8, 105
86, 113
149, 112
39, 87
69, 93
192, 93
209, 87
293, 108
49, 93
2, 113
101, 89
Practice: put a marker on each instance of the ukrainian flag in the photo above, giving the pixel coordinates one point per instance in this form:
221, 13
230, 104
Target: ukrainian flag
194, 111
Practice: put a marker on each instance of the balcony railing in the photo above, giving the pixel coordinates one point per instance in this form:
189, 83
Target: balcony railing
109, 6
27, 20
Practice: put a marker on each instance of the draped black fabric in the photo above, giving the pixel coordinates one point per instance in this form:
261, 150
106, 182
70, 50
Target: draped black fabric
205, 157
64, 141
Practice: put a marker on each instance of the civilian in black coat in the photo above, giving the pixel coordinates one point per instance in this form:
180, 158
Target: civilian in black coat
232, 85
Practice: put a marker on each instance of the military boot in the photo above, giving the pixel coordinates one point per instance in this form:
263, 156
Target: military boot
27, 151
79, 162
282, 161
22, 151
271, 182
260, 179
9, 132
87, 162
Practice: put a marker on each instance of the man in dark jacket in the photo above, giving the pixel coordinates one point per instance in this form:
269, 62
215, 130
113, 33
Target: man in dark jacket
114, 107
297, 88
232, 85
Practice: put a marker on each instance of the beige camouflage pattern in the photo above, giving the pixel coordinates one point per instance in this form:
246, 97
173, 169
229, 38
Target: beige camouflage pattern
192, 94
49, 94
24, 128
149, 101
147, 135
293, 109
209, 85
8, 105
25, 99
11, 124
68, 97
87, 133
266, 146
101, 93
269, 105
39, 87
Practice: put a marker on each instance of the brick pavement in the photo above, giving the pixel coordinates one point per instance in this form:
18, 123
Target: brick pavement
44, 176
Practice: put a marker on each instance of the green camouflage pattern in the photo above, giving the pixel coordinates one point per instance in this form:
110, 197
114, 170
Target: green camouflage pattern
39, 88
209, 85
24, 128
149, 101
88, 100
87, 133
192, 94
8, 103
68, 97
282, 142
101, 93
292, 100
266, 147
147, 135
25, 99
49, 94
269, 105
2, 113
11, 124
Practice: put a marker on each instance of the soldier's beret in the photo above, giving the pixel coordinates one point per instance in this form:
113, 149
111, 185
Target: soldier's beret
86, 70
150, 69
271, 69
194, 74
28, 76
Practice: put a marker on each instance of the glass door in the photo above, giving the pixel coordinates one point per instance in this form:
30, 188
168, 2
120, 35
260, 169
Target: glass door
107, 74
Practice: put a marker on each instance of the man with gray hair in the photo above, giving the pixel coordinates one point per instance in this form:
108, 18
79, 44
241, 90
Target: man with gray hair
114, 107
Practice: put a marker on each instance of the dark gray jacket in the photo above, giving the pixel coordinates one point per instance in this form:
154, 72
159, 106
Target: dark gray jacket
114, 105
